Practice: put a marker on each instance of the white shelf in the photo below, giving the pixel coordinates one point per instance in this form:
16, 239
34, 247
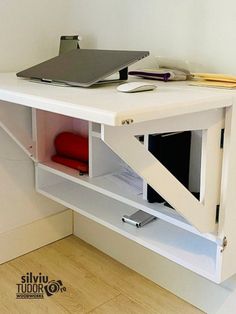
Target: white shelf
122, 194
183, 247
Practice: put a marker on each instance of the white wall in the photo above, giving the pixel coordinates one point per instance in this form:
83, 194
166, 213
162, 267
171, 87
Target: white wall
202, 32
29, 33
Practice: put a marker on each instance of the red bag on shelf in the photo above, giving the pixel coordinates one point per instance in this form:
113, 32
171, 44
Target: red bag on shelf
72, 145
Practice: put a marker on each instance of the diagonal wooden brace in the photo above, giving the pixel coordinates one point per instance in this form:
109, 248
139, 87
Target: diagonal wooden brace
200, 214
8, 122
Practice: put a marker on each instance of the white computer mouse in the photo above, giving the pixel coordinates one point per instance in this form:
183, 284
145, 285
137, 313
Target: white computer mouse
133, 87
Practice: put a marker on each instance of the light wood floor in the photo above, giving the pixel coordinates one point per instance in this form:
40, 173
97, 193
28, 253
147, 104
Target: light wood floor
95, 284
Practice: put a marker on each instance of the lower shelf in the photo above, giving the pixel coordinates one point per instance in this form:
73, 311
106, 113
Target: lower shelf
106, 186
180, 246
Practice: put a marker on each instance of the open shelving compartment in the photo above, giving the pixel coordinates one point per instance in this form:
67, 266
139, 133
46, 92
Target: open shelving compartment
183, 247
101, 198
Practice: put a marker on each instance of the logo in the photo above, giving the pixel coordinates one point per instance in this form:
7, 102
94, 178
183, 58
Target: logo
37, 286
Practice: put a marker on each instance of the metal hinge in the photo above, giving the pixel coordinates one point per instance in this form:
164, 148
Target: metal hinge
222, 136
224, 244
127, 121
217, 213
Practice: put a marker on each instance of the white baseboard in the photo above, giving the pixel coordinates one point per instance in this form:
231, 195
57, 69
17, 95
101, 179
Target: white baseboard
189, 286
30, 237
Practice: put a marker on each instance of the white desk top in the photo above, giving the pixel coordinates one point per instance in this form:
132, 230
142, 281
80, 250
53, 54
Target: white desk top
104, 104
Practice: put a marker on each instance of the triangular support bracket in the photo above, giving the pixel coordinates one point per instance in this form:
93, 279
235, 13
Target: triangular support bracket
200, 213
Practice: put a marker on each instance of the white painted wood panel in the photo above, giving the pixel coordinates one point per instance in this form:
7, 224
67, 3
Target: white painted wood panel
228, 190
12, 124
102, 159
120, 193
48, 125
104, 104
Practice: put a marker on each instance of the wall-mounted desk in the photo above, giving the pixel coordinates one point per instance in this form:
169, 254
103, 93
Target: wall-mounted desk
199, 235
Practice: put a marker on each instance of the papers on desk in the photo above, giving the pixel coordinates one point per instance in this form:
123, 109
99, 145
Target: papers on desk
128, 179
214, 80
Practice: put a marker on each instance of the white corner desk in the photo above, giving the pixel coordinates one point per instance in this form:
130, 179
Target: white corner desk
198, 234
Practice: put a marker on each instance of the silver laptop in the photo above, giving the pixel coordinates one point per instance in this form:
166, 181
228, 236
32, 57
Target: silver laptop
84, 67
